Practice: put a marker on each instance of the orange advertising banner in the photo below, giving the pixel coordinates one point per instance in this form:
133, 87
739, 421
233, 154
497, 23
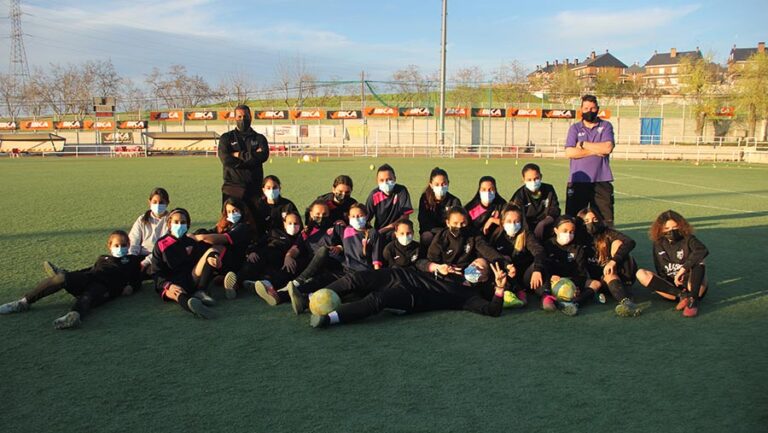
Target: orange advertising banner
200, 115
307, 114
70, 124
166, 116
8, 126
101, 125
133, 124
271, 115
345, 114
524, 112
227, 115
380, 112
726, 111
35, 125
603, 114
416, 112
457, 112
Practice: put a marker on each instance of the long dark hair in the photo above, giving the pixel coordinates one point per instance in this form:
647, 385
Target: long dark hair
428, 193
163, 196
599, 240
224, 225
343, 179
490, 179
656, 233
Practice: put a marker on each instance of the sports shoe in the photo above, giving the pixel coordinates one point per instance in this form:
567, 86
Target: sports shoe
230, 285
319, 321
299, 301
206, 298
600, 297
682, 303
522, 296
511, 300
266, 292
199, 309
52, 270
69, 320
548, 303
692, 309
627, 308
569, 308
18, 306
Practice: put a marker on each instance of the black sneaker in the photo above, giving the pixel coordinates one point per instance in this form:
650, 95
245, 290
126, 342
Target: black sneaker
267, 292
627, 308
319, 321
230, 285
206, 298
199, 309
69, 320
568, 308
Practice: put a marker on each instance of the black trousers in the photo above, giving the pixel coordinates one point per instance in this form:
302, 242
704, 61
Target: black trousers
382, 292
597, 196
88, 292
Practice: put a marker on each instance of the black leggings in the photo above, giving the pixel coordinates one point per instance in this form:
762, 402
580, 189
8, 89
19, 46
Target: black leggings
89, 294
381, 292
694, 278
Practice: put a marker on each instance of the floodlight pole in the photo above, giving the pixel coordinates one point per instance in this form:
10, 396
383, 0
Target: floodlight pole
442, 73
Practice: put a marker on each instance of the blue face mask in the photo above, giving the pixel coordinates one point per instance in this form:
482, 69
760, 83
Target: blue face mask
512, 228
440, 191
533, 185
387, 187
358, 223
472, 274
272, 194
178, 230
487, 197
234, 217
158, 208
119, 251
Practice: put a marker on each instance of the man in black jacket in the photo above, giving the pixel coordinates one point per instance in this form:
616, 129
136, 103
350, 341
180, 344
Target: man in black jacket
242, 152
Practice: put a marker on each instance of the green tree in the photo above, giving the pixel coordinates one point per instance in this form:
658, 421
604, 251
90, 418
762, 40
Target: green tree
752, 92
563, 84
698, 85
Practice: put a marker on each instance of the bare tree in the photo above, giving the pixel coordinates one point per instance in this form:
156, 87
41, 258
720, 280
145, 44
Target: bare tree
412, 86
295, 81
510, 81
131, 97
467, 88
178, 89
104, 79
236, 88
10, 95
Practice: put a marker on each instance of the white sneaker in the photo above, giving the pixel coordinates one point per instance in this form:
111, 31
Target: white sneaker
18, 306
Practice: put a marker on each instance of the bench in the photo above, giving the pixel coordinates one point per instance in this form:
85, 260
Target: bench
36, 142
182, 141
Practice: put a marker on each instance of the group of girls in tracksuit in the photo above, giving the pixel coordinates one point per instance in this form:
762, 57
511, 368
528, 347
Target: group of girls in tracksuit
488, 254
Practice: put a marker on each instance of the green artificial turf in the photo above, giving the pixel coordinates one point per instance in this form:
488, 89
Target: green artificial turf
139, 364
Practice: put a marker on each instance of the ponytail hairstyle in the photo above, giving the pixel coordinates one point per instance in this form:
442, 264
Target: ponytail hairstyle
182, 211
599, 240
522, 234
428, 193
163, 197
656, 233
343, 179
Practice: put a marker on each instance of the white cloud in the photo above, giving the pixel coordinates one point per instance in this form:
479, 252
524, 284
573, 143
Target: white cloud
619, 23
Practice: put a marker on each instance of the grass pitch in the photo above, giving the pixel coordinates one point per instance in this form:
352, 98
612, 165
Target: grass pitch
142, 365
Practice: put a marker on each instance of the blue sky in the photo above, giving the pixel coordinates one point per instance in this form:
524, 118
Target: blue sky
338, 39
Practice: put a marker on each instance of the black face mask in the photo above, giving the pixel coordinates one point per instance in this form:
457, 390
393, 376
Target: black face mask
589, 116
243, 124
594, 228
458, 231
673, 235
340, 197
320, 221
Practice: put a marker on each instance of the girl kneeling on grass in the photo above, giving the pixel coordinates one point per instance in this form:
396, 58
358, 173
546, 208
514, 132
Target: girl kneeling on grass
679, 260
609, 261
110, 277
566, 258
484, 209
182, 265
149, 227
523, 252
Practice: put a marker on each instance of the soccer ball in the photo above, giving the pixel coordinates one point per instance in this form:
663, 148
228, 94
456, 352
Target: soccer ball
307, 158
564, 290
323, 302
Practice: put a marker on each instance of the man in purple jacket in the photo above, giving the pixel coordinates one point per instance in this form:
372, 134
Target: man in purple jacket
589, 146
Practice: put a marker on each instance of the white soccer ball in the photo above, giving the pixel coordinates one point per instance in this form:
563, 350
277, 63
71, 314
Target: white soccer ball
306, 158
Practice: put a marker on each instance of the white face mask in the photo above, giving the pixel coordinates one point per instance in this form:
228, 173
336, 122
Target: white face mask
533, 185
440, 191
405, 240
119, 251
292, 229
272, 194
387, 187
234, 217
512, 228
487, 197
564, 238
358, 223
158, 208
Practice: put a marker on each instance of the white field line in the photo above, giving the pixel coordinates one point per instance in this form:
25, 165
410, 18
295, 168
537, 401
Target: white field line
692, 185
684, 203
